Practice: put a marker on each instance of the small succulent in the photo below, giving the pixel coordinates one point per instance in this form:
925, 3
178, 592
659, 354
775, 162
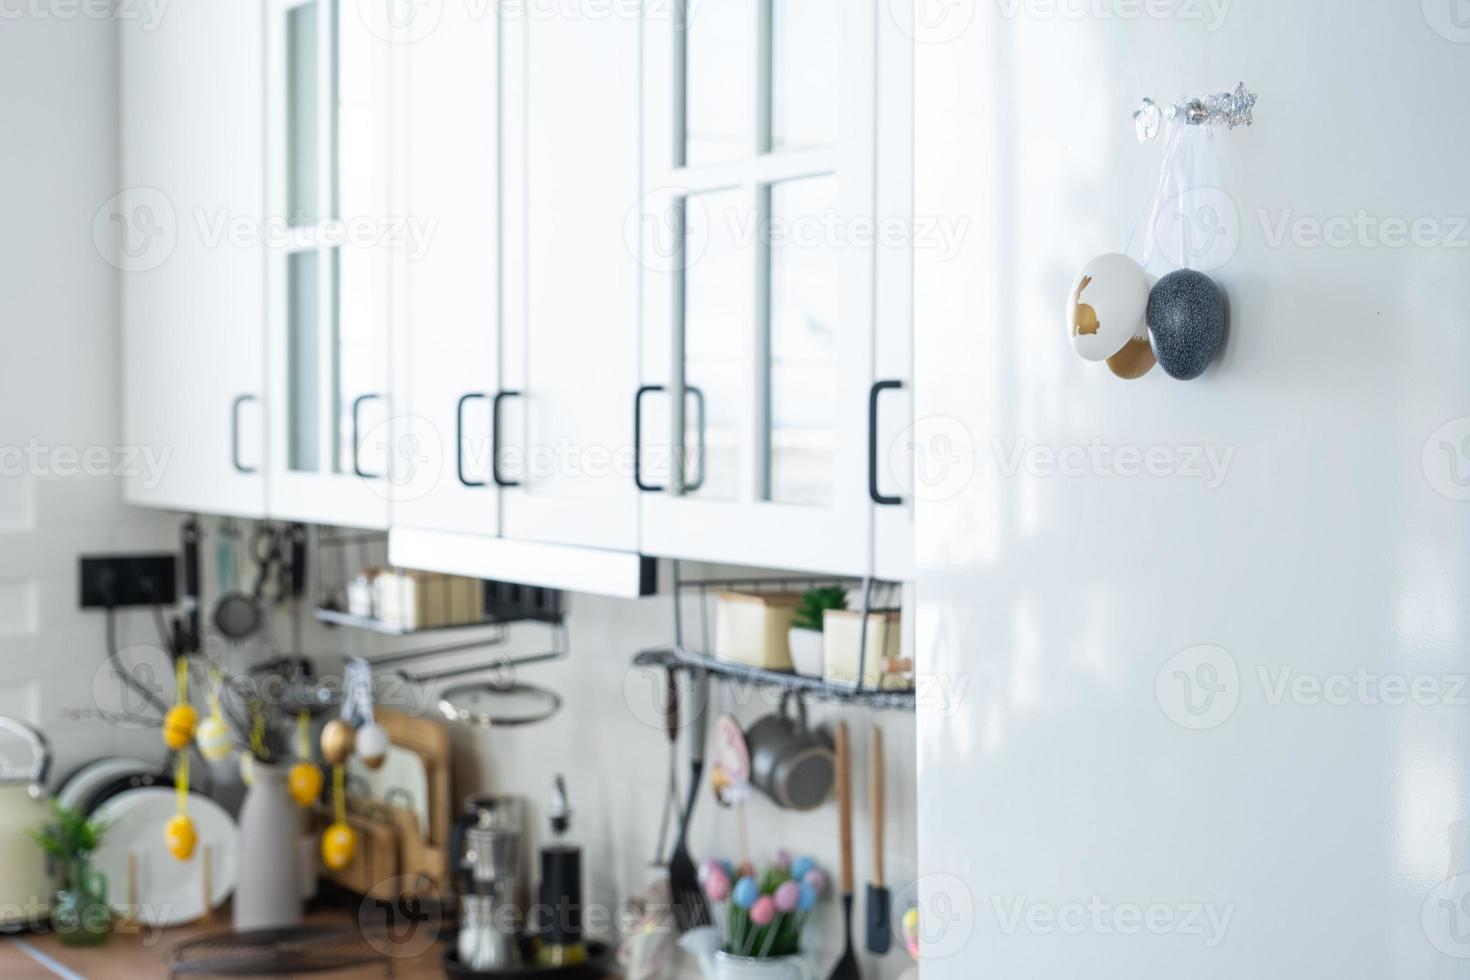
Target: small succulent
815, 602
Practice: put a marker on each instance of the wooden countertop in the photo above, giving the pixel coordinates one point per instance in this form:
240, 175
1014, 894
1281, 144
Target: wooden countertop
144, 954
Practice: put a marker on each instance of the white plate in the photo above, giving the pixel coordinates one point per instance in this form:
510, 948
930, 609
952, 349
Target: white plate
95, 775
170, 892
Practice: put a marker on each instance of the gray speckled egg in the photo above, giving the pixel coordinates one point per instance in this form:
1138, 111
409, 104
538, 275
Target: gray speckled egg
1186, 322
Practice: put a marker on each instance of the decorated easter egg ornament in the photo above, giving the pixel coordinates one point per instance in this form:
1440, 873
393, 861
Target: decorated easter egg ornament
305, 778
339, 844
179, 835
213, 736
182, 719
339, 841
372, 744
1186, 322
1106, 306
337, 739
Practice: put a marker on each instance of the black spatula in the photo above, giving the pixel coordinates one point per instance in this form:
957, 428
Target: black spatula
847, 967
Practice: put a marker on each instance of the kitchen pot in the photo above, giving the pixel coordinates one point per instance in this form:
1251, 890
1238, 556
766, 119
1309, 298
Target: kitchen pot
790, 762
27, 886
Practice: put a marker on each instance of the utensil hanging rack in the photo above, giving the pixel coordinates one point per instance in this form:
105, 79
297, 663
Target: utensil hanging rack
877, 595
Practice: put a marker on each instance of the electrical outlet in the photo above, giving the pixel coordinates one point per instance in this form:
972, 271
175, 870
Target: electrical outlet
129, 580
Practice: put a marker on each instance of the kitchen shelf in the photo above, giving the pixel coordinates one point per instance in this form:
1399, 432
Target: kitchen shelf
814, 688
373, 625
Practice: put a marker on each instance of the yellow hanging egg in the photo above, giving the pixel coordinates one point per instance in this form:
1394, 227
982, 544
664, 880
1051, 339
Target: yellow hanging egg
337, 740
339, 843
305, 782
179, 725
180, 836
214, 738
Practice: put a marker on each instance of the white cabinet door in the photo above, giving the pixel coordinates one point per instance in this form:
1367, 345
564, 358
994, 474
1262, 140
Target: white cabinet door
757, 244
329, 269
892, 432
183, 233
446, 342
572, 150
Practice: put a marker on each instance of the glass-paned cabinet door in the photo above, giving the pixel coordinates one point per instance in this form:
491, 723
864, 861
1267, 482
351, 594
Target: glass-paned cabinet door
757, 246
329, 232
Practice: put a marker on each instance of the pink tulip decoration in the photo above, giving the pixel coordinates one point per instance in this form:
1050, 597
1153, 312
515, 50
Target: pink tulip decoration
763, 912
788, 896
717, 885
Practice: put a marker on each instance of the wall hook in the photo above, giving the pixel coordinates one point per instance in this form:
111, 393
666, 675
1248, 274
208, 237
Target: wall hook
1228, 109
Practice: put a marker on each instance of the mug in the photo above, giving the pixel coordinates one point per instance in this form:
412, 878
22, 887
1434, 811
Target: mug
791, 763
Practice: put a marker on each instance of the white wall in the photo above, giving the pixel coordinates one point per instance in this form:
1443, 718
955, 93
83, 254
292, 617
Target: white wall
59, 379
1332, 544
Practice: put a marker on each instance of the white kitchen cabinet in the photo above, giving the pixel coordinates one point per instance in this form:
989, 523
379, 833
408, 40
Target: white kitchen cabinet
522, 332
571, 281
757, 244
893, 434
329, 265
447, 329
192, 288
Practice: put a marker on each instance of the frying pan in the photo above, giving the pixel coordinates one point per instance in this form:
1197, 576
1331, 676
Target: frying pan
240, 615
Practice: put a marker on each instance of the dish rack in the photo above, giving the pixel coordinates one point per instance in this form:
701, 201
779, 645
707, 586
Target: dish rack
692, 649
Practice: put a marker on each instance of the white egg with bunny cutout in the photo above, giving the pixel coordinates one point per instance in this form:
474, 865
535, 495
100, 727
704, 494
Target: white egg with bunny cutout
1106, 307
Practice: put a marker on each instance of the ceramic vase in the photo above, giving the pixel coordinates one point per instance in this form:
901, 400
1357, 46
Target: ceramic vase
731, 967
268, 893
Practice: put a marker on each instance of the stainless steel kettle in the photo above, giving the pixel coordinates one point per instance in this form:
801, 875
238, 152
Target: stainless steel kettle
27, 886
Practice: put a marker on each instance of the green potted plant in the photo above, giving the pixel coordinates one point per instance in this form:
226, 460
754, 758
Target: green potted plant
81, 915
805, 635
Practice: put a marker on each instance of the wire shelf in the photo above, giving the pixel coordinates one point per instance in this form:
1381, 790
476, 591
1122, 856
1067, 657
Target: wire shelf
812, 688
347, 561
685, 653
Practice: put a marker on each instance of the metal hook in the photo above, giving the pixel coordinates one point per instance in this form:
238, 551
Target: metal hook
1228, 109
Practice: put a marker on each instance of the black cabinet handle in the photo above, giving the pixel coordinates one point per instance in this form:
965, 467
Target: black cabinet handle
698, 481
357, 404
500, 397
638, 439
459, 437
877, 496
235, 434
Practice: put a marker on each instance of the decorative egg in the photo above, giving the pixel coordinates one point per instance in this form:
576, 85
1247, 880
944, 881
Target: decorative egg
337, 739
180, 836
214, 739
339, 843
1134, 361
1106, 307
305, 782
1186, 322
372, 744
179, 725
